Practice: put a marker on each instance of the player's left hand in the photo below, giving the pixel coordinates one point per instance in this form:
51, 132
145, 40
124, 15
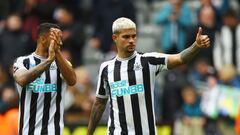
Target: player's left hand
56, 35
203, 41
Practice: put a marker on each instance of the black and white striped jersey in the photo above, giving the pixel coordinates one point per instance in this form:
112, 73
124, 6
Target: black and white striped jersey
129, 84
41, 104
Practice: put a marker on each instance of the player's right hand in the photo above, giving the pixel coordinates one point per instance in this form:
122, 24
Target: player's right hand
51, 51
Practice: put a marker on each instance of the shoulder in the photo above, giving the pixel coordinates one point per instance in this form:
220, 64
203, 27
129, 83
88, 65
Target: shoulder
21, 58
154, 54
108, 62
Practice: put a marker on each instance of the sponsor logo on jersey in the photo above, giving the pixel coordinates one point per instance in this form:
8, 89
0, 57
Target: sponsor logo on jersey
121, 88
38, 86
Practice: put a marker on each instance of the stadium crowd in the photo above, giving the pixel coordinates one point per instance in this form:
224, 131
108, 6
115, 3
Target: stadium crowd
202, 97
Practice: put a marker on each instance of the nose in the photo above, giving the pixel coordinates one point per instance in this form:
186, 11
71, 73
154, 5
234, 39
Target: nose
131, 40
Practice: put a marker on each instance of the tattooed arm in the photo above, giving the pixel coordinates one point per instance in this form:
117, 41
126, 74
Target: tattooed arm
202, 41
24, 77
96, 114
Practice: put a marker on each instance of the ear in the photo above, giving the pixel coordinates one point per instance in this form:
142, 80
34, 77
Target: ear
114, 37
42, 39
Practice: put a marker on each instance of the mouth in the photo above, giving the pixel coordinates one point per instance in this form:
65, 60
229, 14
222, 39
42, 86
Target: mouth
132, 45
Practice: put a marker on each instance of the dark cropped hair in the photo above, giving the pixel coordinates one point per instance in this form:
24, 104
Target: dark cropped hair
45, 27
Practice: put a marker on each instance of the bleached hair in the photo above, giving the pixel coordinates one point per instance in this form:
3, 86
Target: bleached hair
122, 23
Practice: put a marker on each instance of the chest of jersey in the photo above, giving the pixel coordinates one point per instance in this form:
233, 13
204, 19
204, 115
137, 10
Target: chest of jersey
44, 83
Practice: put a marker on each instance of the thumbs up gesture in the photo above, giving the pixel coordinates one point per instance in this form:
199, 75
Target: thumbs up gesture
203, 41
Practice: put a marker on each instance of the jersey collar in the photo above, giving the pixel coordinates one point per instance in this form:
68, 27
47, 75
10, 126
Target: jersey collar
38, 56
128, 58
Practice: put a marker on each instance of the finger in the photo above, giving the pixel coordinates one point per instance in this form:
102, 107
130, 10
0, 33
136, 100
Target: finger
199, 31
51, 46
59, 37
52, 37
57, 34
206, 43
205, 40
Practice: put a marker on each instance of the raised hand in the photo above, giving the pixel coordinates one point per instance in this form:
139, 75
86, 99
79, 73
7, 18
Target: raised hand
203, 41
51, 51
56, 36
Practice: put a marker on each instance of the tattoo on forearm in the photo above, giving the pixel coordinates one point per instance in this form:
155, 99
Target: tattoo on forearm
188, 54
35, 72
96, 114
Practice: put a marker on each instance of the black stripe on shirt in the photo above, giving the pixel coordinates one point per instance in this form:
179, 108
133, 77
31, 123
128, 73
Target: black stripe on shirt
148, 96
101, 88
26, 63
46, 108
58, 100
120, 102
134, 98
111, 127
156, 61
33, 107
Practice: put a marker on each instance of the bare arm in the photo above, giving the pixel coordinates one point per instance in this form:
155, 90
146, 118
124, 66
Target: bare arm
24, 77
66, 69
96, 114
202, 41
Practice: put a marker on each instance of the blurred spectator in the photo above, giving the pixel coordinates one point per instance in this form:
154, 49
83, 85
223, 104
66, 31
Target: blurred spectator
210, 97
13, 42
3, 76
200, 71
228, 76
209, 106
104, 13
206, 20
75, 6
73, 35
174, 18
192, 120
9, 117
227, 50
43, 8
81, 94
219, 6
171, 98
35, 12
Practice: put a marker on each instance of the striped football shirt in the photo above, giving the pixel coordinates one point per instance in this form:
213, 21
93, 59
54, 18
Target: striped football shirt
41, 104
128, 84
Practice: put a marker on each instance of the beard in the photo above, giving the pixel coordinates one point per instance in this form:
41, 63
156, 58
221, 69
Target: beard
131, 48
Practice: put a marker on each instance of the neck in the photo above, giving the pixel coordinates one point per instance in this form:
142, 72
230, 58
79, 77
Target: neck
125, 54
41, 50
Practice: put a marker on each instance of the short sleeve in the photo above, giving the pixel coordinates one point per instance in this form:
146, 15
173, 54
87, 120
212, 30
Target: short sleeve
103, 86
157, 59
18, 64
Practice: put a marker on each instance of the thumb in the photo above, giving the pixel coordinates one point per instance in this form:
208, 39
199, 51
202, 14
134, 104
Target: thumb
51, 46
199, 32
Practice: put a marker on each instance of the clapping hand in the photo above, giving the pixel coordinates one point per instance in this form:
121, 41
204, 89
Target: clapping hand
56, 36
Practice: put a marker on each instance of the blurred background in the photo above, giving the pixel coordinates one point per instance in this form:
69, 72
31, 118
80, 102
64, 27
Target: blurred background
201, 98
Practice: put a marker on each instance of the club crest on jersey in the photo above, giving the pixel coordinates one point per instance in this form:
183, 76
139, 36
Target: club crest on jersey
53, 66
137, 66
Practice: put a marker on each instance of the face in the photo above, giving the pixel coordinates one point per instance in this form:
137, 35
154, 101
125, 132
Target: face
46, 39
189, 96
14, 23
125, 40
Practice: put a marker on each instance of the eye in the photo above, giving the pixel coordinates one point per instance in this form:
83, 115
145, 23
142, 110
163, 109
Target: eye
126, 36
134, 36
